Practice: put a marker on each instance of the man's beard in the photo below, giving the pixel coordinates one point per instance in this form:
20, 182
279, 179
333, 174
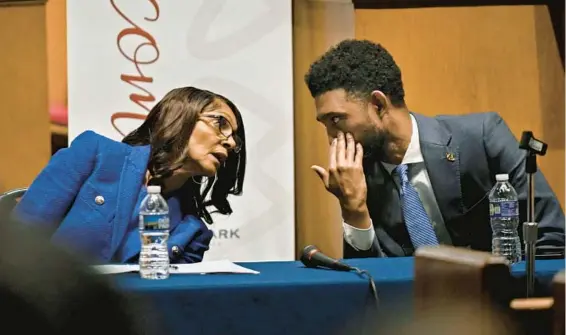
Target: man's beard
374, 143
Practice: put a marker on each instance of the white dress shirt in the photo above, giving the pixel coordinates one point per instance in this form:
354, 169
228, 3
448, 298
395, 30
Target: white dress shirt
362, 239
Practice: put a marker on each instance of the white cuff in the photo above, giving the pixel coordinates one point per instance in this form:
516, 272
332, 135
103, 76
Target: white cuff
359, 239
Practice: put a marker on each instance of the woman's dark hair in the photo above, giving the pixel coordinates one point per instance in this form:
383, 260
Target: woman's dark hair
167, 130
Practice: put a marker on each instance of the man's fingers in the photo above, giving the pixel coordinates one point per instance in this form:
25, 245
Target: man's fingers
322, 173
350, 148
359, 155
332, 155
340, 149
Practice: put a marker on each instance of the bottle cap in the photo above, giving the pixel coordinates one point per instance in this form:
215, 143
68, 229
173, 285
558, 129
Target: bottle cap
154, 189
502, 177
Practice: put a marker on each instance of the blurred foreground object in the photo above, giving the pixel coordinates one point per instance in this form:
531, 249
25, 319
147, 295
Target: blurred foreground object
461, 291
48, 291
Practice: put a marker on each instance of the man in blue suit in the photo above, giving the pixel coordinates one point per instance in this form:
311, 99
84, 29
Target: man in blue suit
405, 180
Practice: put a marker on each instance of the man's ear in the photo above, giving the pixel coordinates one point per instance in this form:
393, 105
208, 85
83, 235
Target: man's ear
380, 101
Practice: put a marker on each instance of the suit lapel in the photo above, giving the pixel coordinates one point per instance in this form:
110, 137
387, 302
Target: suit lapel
442, 161
131, 180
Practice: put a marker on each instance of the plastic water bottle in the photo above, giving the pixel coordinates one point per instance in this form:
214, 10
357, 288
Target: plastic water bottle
154, 233
504, 216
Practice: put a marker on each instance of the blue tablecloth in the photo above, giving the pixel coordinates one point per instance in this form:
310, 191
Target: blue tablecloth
286, 297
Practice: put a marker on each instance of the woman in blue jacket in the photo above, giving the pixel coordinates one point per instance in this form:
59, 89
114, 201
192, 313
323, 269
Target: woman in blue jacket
192, 143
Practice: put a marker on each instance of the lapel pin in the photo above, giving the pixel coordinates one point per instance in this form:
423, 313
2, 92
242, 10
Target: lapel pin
450, 157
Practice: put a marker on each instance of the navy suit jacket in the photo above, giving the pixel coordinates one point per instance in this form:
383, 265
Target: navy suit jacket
61, 200
483, 146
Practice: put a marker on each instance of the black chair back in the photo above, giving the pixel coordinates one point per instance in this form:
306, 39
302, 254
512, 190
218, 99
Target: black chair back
9, 200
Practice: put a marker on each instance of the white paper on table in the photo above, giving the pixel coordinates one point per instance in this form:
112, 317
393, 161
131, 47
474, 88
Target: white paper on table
108, 269
221, 266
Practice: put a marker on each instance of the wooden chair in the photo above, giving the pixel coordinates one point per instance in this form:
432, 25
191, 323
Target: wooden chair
457, 286
461, 291
558, 308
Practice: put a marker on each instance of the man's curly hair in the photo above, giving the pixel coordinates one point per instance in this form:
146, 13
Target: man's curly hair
359, 67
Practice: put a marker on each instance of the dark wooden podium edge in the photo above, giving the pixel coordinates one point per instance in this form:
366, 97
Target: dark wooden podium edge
21, 2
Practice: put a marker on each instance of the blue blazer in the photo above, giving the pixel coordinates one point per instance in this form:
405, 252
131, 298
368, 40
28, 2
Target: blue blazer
483, 146
87, 196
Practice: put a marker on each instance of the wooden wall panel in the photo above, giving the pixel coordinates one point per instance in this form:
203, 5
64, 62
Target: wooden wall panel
316, 26
56, 21
473, 59
24, 119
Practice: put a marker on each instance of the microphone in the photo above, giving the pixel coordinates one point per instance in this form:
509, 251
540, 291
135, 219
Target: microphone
312, 257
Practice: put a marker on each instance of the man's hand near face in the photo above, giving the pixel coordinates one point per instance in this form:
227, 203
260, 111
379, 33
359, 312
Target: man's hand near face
346, 180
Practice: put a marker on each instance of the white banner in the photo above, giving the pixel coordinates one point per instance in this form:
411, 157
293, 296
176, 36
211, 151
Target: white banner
124, 55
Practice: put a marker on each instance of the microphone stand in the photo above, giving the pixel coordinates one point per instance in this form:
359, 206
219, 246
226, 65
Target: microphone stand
533, 147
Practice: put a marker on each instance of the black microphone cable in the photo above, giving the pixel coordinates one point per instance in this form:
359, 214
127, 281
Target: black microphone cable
313, 257
373, 289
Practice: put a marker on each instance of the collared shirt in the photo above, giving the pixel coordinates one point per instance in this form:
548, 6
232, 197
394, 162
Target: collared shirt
362, 239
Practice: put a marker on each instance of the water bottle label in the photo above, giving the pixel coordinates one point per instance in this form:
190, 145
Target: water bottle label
155, 222
504, 209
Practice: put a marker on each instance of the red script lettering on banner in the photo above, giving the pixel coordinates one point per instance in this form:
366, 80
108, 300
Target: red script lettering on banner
142, 96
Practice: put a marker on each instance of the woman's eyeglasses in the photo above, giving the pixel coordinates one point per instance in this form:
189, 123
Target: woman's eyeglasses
223, 128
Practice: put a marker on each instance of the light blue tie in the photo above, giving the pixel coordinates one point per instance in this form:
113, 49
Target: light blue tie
417, 221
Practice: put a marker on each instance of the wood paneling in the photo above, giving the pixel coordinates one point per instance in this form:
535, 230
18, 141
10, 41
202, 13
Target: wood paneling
465, 60
555, 9
56, 16
24, 119
316, 26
